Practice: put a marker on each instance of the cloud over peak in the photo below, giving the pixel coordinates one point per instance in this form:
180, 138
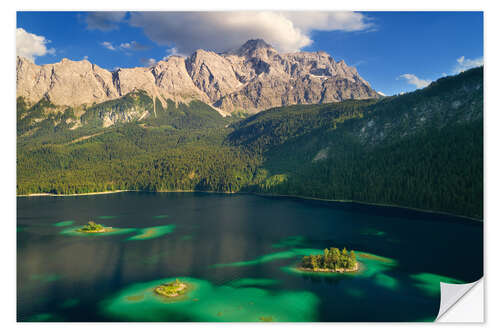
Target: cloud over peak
29, 45
222, 31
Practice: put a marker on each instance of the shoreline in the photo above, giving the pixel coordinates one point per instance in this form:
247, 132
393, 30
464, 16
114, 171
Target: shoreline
121, 191
70, 195
101, 231
333, 271
421, 210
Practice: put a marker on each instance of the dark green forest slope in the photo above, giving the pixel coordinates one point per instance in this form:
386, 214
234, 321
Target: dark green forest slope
422, 149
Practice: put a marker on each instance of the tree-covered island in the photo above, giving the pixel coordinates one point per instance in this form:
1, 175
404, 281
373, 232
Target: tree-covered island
172, 289
92, 227
332, 260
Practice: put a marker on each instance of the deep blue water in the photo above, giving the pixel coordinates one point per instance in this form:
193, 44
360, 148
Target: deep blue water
66, 278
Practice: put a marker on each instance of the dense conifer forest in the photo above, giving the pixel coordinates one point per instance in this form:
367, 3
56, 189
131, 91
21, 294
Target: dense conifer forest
332, 259
422, 149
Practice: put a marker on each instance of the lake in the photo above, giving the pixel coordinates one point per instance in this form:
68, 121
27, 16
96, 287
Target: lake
238, 253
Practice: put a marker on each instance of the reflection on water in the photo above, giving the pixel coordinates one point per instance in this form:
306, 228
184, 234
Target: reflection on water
239, 248
292, 253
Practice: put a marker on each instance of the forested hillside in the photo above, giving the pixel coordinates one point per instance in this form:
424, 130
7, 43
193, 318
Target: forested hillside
423, 149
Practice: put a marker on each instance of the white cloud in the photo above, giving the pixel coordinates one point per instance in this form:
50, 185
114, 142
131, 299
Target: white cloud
173, 51
108, 45
464, 64
29, 45
222, 31
125, 45
86, 57
149, 62
104, 21
461, 65
134, 46
417, 82
328, 21
381, 93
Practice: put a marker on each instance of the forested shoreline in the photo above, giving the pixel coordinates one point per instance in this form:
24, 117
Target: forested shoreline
419, 150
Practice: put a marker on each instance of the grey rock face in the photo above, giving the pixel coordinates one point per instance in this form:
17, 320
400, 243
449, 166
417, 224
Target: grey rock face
252, 78
64, 83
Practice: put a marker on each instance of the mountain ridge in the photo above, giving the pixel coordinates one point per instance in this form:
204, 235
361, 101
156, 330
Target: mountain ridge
252, 78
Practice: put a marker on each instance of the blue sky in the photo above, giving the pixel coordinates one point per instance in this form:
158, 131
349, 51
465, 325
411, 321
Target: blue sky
394, 51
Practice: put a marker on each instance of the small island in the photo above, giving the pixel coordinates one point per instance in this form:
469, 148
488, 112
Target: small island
332, 260
92, 227
172, 289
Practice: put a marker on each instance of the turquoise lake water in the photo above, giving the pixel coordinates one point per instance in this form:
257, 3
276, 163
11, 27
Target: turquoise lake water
238, 255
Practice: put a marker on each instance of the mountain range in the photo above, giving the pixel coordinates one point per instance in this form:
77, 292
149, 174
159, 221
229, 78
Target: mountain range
250, 120
249, 79
422, 149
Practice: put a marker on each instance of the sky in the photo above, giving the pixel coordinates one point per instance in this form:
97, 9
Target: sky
394, 51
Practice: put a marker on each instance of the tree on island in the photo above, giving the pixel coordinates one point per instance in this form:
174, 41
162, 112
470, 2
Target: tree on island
171, 289
92, 226
331, 259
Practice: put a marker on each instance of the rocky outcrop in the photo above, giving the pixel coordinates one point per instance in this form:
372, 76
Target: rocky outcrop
173, 81
212, 74
64, 83
252, 78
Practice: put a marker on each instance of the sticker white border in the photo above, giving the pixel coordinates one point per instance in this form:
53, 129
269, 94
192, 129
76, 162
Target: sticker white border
462, 303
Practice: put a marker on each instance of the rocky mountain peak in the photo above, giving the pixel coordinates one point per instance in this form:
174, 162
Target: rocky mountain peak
21, 59
253, 78
254, 48
253, 44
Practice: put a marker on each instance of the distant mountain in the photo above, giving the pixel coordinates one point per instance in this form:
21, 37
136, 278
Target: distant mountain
249, 79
